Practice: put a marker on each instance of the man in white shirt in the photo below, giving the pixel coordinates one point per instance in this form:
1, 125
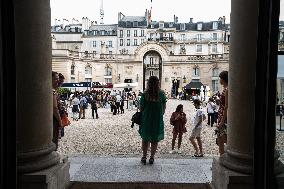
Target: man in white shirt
198, 118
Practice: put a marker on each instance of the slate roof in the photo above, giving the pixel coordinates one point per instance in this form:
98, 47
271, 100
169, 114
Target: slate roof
206, 26
104, 27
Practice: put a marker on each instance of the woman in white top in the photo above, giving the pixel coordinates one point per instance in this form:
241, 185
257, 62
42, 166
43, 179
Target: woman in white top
75, 107
198, 118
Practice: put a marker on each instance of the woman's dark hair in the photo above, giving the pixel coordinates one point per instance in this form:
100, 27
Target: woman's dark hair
224, 75
197, 102
179, 107
61, 76
153, 88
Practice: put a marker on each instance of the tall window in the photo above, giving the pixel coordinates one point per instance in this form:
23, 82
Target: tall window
121, 42
108, 71
151, 73
128, 33
135, 33
199, 48
110, 43
128, 42
170, 36
121, 33
182, 37
215, 36
72, 69
215, 85
135, 42
214, 48
110, 52
88, 70
142, 40
151, 60
215, 72
142, 33
94, 44
196, 72
199, 37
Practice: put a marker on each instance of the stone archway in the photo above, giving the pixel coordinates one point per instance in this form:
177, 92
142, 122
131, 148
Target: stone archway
152, 54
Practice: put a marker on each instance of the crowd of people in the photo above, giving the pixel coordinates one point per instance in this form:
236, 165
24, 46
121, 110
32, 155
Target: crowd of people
152, 105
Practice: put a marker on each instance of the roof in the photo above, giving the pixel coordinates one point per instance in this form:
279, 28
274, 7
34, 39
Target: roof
104, 27
133, 19
206, 26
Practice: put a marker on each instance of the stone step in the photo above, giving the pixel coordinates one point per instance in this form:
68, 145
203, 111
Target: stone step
88, 171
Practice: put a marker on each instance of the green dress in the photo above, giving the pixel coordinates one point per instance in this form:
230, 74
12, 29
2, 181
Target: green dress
152, 126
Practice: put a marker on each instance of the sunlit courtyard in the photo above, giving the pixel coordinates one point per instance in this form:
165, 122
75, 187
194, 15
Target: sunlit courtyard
112, 135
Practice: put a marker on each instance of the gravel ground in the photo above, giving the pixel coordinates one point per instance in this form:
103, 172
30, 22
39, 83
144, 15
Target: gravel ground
112, 135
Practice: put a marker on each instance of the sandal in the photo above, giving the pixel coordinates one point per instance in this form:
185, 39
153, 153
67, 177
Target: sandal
195, 155
151, 160
143, 160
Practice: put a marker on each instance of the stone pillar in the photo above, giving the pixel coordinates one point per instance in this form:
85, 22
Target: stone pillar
235, 167
35, 150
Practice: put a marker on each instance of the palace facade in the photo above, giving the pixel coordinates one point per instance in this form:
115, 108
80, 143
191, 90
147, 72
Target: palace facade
136, 48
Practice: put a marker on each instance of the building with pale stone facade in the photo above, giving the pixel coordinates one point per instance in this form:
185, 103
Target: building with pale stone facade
136, 48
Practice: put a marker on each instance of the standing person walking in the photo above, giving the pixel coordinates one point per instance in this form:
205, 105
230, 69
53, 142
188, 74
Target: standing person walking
130, 101
57, 124
178, 120
221, 130
211, 107
94, 108
152, 106
75, 107
198, 118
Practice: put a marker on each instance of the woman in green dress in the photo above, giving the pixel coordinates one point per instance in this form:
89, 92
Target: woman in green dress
152, 106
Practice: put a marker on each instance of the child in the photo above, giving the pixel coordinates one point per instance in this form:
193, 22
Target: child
198, 118
178, 120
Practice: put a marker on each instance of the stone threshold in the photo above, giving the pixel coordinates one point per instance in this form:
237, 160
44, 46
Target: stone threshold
88, 171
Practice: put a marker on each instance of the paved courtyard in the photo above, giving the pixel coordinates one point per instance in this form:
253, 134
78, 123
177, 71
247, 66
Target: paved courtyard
112, 135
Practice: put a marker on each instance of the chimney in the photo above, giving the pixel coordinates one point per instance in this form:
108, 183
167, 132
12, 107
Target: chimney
224, 20
191, 20
176, 20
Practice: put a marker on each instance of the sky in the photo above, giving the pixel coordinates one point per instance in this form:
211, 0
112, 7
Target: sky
199, 10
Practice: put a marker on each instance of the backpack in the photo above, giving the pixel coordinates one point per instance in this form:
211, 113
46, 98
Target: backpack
136, 118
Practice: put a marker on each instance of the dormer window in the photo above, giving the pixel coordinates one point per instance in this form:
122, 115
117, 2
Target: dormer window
215, 25
135, 24
161, 25
199, 26
182, 26
128, 24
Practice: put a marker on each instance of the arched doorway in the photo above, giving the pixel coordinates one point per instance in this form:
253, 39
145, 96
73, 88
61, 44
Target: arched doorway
152, 66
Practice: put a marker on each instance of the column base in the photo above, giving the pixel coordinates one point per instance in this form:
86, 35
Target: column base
223, 178
55, 177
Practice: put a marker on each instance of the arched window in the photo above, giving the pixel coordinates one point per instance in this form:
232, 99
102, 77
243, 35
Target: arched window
88, 70
196, 72
108, 71
72, 69
215, 72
